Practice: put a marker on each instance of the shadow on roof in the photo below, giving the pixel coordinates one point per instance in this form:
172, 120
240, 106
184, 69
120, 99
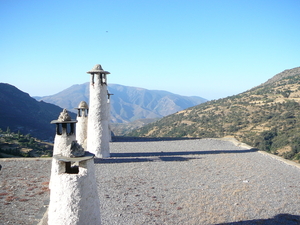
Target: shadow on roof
283, 219
129, 157
149, 154
146, 139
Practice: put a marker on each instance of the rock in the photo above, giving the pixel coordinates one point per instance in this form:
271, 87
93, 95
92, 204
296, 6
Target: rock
64, 116
76, 149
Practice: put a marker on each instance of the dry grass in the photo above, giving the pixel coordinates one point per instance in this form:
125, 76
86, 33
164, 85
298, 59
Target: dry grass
284, 150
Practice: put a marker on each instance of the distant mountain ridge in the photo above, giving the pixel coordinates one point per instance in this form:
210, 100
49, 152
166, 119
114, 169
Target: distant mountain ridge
127, 103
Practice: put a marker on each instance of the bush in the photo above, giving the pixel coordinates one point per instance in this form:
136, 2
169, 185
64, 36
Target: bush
288, 155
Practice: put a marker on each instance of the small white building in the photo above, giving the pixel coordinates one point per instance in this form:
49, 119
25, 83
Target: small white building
73, 190
98, 119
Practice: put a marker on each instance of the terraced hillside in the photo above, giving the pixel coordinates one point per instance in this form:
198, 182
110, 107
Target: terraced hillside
266, 117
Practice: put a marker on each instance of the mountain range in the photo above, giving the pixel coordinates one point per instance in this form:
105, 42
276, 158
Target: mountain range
266, 117
127, 103
20, 112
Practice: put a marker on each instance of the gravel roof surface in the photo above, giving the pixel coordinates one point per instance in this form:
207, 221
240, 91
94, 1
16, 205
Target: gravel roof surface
204, 181
23, 189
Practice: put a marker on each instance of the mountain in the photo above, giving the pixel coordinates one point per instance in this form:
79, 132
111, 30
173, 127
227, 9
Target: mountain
121, 129
20, 112
127, 103
266, 117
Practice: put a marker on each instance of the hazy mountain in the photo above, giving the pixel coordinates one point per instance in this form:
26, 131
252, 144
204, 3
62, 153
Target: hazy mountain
266, 117
21, 112
121, 129
127, 103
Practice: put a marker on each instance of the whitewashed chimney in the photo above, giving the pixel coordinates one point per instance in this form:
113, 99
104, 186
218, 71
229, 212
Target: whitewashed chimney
65, 132
98, 134
65, 135
73, 189
82, 124
108, 116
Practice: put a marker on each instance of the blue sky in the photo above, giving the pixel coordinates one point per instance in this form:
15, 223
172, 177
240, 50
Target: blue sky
212, 49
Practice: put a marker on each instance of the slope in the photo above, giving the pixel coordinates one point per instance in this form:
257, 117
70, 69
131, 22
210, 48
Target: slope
20, 112
266, 117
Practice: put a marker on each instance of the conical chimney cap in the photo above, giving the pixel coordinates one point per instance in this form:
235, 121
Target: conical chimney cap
98, 69
64, 117
82, 105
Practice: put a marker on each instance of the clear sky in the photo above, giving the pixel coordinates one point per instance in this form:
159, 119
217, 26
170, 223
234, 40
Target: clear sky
212, 49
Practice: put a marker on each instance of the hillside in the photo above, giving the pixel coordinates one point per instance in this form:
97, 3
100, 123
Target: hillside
19, 145
20, 112
121, 129
266, 117
127, 103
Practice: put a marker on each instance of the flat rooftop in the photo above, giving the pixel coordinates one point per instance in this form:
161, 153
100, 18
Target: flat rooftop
201, 181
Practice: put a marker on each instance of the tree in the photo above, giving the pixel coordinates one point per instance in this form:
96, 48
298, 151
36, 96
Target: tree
8, 130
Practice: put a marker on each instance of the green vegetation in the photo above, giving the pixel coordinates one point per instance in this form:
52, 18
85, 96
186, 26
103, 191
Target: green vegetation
16, 144
266, 117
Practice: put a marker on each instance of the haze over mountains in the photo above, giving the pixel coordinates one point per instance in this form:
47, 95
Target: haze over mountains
127, 103
20, 112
